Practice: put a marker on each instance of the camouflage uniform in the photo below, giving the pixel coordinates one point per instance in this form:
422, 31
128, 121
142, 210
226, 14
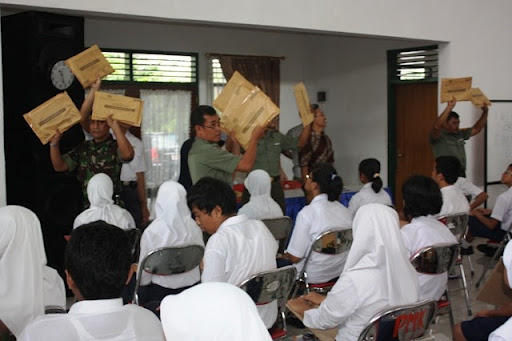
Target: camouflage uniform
90, 158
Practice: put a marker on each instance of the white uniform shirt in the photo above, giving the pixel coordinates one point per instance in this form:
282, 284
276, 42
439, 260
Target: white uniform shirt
503, 333
368, 196
502, 209
130, 169
467, 187
319, 216
377, 275
453, 201
422, 232
172, 227
241, 248
105, 320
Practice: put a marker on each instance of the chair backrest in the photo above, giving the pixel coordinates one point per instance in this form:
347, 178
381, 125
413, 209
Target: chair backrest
272, 285
435, 259
457, 223
53, 309
331, 242
169, 261
402, 323
280, 229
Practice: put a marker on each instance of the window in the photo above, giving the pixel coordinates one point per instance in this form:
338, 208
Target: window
216, 80
416, 64
168, 85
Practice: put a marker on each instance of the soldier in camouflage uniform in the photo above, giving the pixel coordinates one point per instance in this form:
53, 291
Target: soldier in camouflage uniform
102, 154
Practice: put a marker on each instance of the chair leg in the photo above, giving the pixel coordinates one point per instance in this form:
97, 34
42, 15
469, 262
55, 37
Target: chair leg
488, 265
471, 266
450, 313
465, 287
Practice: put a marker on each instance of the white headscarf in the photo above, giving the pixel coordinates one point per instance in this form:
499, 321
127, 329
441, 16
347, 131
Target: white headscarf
173, 225
378, 246
99, 191
260, 205
26, 283
504, 333
223, 311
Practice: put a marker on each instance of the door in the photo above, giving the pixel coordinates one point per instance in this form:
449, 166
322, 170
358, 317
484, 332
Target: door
415, 109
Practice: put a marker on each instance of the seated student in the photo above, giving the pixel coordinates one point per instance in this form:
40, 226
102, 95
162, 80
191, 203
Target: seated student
27, 285
224, 312
489, 321
372, 191
260, 205
377, 275
324, 213
238, 247
493, 224
423, 200
172, 227
476, 195
98, 264
99, 191
445, 173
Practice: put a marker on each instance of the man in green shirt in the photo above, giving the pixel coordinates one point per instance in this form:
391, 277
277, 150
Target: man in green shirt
206, 158
447, 139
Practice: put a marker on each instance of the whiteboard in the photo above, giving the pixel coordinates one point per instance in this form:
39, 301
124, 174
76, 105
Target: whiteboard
499, 140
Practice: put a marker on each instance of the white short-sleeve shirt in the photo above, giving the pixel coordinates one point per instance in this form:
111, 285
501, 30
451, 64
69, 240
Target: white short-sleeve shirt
368, 196
502, 209
418, 234
319, 216
130, 169
239, 249
453, 201
467, 187
105, 320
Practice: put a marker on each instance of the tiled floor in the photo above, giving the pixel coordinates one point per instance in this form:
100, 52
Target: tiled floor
441, 329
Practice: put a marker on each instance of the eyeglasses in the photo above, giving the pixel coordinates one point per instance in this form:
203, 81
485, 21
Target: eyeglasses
214, 126
507, 172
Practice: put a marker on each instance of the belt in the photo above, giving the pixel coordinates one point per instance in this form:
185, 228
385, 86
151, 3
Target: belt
132, 184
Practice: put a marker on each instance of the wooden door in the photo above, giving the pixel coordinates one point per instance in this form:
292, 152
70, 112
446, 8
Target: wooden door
416, 109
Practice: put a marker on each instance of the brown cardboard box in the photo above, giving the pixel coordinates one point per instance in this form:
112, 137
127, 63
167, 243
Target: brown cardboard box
121, 108
89, 65
58, 112
457, 88
478, 98
495, 291
302, 98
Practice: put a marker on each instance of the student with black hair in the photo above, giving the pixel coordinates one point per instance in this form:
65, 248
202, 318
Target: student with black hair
98, 265
445, 173
422, 201
238, 247
372, 192
324, 213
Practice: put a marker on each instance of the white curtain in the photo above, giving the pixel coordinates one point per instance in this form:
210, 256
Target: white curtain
165, 126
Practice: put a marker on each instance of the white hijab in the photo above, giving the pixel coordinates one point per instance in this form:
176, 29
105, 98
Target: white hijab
260, 205
224, 312
504, 333
26, 283
378, 246
99, 191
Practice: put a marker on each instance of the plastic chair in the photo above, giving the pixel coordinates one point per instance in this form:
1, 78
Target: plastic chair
458, 225
280, 229
332, 242
402, 323
54, 309
437, 259
269, 286
503, 242
168, 261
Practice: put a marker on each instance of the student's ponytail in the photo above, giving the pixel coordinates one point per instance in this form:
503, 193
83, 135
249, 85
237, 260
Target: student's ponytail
328, 179
370, 168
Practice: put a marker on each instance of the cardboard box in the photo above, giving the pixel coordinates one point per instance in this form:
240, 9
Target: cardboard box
58, 112
302, 98
121, 108
89, 65
495, 291
478, 98
457, 88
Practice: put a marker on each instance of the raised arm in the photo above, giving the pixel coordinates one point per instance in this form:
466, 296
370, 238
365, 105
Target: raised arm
56, 157
482, 121
86, 108
123, 144
247, 161
441, 119
479, 200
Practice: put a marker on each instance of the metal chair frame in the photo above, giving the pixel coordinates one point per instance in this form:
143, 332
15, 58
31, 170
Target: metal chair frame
503, 242
323, 244
280, 228
458, 225
168, 261
268, 286
403, 323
